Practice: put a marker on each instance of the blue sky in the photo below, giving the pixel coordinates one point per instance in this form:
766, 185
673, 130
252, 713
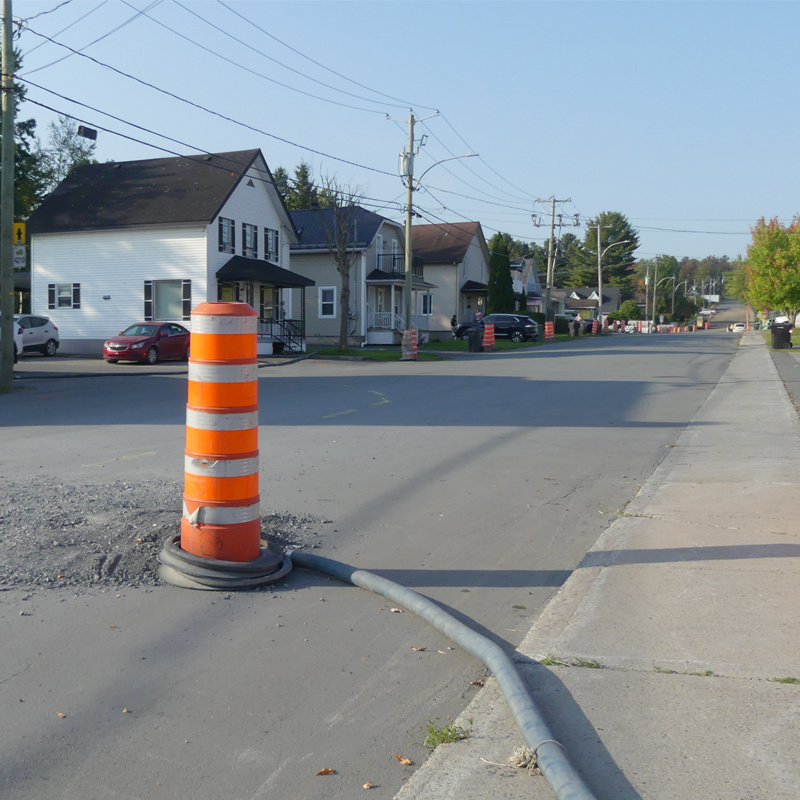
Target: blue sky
682, 116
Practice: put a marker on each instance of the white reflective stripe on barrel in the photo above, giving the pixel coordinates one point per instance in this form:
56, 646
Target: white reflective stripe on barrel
222, 373
205, 421
222, 468
202, 323
222, 515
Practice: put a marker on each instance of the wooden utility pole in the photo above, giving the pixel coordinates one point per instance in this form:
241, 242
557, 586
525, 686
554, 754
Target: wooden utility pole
551, 254
7, 207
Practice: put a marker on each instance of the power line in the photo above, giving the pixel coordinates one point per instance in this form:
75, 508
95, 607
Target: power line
252, 71
403, 103
98, 39
66, 28
210, 111
275, 60
375, 202
43, 13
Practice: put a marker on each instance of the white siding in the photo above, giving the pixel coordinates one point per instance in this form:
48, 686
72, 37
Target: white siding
445, 295
114, 264
251, 204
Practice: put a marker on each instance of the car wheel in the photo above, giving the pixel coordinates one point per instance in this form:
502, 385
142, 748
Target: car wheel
517, 336
151, 356
786, 346
50, 348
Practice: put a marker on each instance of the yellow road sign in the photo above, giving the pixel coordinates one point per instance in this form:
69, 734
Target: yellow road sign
19, 233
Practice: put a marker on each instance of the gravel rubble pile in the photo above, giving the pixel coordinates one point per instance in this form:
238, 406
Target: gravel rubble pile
57, 535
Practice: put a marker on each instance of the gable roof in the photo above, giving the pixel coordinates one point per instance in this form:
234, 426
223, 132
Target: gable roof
157, 191
311, 227
446, 242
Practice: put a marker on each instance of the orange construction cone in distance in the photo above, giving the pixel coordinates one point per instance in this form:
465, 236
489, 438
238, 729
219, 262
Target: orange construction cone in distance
488, 336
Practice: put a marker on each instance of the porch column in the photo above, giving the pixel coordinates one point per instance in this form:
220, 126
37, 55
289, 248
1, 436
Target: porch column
391, 305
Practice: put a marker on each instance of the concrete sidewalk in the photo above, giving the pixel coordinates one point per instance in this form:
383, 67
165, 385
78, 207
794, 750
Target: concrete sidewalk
689, 605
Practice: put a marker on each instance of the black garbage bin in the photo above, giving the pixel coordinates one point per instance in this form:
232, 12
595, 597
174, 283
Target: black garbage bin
475, 339
781, 335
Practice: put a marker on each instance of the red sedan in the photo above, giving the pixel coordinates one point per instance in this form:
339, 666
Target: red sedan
148, 343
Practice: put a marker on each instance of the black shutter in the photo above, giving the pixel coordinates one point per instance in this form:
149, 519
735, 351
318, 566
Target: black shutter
261, 302
255, 241
233, 237
187, 299
220, 235
76, 295
148, 300
51, 295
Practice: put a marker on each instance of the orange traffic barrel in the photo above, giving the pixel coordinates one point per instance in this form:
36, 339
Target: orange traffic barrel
221, 505
488, 336
549, 331
409, 345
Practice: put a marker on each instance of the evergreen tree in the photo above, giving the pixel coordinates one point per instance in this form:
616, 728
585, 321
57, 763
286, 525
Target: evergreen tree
304, 191
281, 178
617, 259
501, 286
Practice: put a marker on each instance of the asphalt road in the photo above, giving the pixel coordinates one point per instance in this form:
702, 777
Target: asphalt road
479, 481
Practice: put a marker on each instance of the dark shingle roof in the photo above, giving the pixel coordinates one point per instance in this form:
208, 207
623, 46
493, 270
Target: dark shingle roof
311, 226
156, 191
240, 268
443, 243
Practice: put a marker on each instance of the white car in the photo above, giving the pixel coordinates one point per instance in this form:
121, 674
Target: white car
738, 327
17, 340
38, 333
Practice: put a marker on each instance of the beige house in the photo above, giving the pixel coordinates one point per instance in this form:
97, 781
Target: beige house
377, 278
456, 260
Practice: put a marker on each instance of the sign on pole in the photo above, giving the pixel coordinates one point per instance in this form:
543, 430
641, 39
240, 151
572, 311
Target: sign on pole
20, 256
18, 236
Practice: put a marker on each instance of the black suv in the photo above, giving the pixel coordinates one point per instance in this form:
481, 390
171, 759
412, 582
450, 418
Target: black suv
514, 326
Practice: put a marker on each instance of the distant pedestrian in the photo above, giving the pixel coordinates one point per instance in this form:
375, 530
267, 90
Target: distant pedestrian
478, 316
453, 324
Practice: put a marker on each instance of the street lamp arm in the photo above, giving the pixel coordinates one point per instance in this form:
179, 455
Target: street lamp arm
452, 158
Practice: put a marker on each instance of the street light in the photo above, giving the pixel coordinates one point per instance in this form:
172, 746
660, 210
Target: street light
655, 292
407, 174
674, 287
600, 254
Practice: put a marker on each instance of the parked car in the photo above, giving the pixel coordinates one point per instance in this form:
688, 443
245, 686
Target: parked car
38, 333
514, 326
148, 342
738, 327
17, 340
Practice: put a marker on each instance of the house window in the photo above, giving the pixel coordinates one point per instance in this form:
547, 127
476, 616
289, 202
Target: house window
272, 242
227, 235
427, 304
249, 240
63, 295
168, 300
327, 302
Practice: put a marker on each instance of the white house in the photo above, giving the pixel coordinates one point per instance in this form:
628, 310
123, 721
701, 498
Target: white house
456, 260
377, 278
117, 243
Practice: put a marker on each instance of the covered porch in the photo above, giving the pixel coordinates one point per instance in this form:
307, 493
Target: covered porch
472, 300
272, 291
386, 305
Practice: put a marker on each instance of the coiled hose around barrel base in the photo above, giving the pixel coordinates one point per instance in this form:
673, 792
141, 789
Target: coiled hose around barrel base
550, 756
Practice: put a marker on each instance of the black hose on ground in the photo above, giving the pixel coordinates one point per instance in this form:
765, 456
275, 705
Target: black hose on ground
550, 756
195, 572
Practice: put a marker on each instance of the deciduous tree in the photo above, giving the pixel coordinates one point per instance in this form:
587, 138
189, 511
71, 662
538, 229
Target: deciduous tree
773, 265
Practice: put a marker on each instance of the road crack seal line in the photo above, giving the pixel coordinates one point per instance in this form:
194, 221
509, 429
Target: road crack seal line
341, 413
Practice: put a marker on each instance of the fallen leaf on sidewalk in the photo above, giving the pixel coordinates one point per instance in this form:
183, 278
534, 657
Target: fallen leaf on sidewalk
368, 785
481, 682
63, 716
419, 649
403, 759
125, 711
396, 610
327, 771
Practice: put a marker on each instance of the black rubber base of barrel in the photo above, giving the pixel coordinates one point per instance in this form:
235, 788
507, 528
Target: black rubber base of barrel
195, 572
